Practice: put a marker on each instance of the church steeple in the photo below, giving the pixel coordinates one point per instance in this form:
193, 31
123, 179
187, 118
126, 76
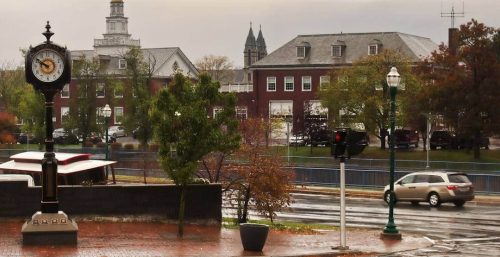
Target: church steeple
250, 52
250, 44
261, 45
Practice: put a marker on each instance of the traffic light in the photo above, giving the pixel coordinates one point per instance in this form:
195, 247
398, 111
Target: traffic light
346, 139
356, 142
339, 143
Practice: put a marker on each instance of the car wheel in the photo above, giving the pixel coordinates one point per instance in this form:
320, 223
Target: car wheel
459, 203
433, 147
114, 135
416, 145
387, 197
434, 200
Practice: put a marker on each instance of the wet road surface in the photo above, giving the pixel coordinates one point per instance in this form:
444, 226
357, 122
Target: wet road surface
472, 230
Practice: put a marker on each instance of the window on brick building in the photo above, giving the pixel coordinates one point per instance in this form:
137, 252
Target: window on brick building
65, 91
64, 113
118, 113
99, 90
289, 83
306, 83
216, 110
241, 112
271, 83
122, 64
324, 82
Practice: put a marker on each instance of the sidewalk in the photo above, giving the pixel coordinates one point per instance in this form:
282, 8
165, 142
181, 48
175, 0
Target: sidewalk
159, 239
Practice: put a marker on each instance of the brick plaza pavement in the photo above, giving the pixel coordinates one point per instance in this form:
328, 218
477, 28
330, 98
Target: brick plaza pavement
107, 239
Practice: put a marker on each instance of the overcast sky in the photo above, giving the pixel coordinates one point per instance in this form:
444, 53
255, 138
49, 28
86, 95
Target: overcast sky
220, 27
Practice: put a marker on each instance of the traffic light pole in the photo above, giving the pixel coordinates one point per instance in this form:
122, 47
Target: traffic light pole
343, 244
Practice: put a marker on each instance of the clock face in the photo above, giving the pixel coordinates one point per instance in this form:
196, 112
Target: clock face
47, 65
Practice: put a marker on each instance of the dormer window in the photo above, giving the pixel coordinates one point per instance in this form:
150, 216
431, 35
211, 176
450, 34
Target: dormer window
337, 51
301, 52
372, 49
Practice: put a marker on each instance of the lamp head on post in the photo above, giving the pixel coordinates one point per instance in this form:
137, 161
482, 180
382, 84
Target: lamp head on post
106, 111
393, 78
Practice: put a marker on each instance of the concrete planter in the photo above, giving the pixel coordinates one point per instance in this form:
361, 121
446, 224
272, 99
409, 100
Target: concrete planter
253, 236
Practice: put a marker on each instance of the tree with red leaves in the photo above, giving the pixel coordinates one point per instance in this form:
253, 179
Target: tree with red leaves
7, 128
263, 179
465, 84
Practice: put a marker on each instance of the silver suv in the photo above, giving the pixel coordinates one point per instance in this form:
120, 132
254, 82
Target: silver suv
434, 187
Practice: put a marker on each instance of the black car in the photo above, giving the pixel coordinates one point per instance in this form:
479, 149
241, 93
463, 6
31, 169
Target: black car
442, 139
25, 138
64, 137
320, 136
467, 142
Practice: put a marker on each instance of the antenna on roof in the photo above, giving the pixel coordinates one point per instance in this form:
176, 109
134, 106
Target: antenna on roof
452, 14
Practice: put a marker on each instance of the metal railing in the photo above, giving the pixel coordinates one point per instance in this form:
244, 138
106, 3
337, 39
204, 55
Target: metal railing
371, 173
236, 88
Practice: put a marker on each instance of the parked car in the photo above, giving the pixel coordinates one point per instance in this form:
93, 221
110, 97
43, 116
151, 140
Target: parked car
404, 138
116, 131
62, 136
25, 138
442, 139
298, 140
466, 142
319, 134
94, 138
434, 187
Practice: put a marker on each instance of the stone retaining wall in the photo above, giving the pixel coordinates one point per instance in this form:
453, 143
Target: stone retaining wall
203, 201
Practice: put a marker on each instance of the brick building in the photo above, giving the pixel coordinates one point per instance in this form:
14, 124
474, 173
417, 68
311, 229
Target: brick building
286, 82
110, 50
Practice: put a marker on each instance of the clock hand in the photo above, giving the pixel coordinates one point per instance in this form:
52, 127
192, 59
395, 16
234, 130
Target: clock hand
42, 63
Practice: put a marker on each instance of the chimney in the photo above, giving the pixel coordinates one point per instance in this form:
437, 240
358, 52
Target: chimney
453, 40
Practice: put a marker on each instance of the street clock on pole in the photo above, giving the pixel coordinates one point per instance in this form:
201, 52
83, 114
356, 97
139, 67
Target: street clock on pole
48, 66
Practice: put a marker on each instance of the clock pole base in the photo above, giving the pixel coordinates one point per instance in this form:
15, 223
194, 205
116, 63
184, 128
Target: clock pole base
50, 229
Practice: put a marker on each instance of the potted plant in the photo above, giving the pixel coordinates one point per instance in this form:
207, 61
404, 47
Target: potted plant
253, 236
263, 180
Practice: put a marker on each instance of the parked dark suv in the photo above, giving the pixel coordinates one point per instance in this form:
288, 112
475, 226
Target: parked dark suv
467, 142
442, 139
404, 138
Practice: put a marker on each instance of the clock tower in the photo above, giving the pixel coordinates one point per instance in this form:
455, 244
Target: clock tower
116, 39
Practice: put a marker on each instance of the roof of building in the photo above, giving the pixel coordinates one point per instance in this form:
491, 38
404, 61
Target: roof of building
355, 47
158, 56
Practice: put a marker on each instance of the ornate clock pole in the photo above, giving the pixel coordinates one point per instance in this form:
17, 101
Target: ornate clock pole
48, 69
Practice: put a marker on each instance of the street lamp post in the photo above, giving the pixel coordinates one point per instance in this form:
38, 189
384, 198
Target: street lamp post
287, 120
106, 112
390, 230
